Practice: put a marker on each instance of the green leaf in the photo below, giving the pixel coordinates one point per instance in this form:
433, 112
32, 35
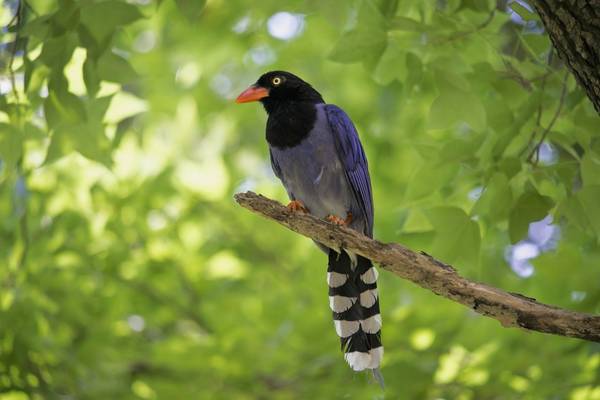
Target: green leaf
478, 5
510, 166
523, 11
191, 9
114, 68
416, 240
429, 178
590, 169
367, 41
102, 18
369, 15
530, 207
3, 103
11, 145
122, 127
34, 132
453, 107
459, 150
496, 200
583, 209
414, 67
29, 68
359, 45
57, 51
66, 18
387, 8
63, 108
37, 27
14, 395
90, 76
60, 145
392, 65
448, 80
499, 115
87, 138
457, 236
92, 143
96, 108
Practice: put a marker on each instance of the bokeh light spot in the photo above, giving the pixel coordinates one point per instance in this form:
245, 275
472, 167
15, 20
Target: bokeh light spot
422, 339
285, 26
136, 322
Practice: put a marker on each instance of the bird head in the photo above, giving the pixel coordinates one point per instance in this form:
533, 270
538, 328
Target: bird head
278, 88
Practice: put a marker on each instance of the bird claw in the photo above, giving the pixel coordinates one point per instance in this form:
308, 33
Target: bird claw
334, 219
297, 206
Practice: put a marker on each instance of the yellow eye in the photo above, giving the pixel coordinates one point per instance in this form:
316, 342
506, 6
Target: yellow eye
276, 81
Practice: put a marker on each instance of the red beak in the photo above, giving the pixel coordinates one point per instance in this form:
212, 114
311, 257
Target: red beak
253, 93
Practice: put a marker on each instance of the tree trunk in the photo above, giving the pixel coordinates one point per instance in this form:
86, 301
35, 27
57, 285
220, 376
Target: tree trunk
574, 28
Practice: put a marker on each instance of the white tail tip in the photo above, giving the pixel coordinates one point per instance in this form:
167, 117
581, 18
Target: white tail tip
360, 361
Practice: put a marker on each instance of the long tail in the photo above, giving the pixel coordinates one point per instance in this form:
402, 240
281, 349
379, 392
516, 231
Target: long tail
354, 300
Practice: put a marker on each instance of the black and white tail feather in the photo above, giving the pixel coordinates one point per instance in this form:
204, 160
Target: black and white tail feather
354, 301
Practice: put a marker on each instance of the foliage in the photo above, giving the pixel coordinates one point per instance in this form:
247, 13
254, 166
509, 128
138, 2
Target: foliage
128, 272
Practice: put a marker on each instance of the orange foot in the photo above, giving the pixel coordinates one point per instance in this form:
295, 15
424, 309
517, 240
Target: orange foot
296, 205
334, 219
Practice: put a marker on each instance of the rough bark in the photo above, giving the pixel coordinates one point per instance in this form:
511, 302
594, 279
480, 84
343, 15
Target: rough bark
574, 28
511, 309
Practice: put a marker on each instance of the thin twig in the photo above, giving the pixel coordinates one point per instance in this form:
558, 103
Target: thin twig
463, 34
510, 309
540, 108
17, 19
544, 80
535, 150
16, 22
24, 231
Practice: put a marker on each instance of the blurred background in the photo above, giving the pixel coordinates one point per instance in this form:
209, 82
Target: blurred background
129, 272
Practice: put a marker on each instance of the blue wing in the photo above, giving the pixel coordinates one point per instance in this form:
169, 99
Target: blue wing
353, 157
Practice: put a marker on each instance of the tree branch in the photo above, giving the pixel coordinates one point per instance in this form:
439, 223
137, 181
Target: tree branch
511, 309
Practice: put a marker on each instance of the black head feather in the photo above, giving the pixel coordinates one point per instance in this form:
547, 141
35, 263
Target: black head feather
285, 87
291, 107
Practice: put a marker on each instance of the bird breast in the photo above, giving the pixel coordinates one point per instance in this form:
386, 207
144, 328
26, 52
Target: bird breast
313, 173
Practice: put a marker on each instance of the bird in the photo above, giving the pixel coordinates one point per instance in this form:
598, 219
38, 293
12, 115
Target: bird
316, 152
